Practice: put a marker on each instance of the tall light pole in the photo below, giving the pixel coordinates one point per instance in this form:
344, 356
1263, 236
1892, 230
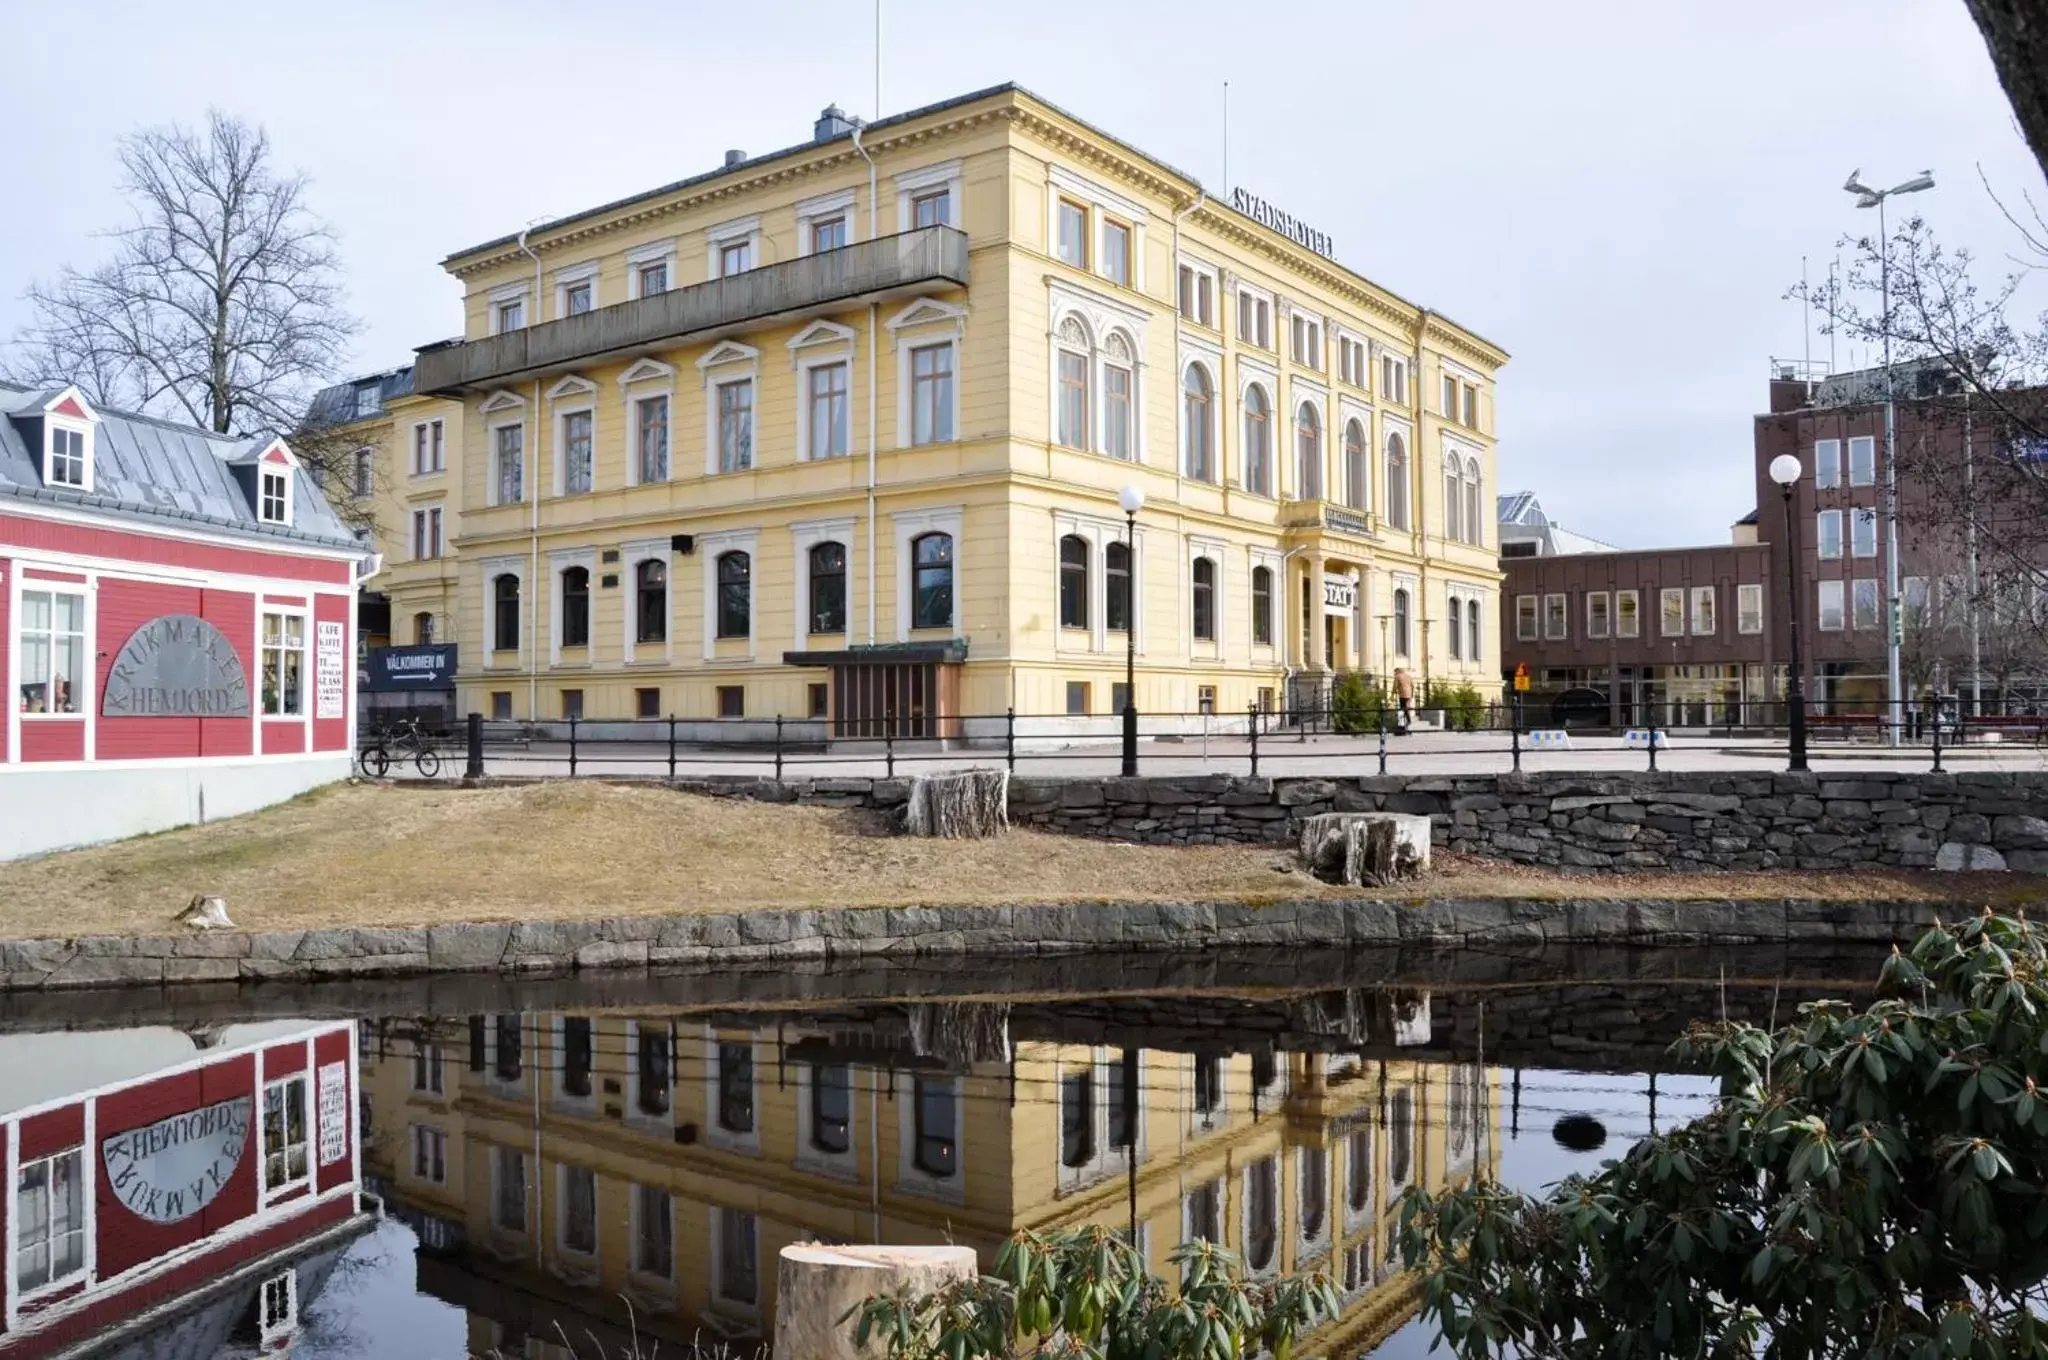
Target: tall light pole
1867, 197
1785, 471
1132, 499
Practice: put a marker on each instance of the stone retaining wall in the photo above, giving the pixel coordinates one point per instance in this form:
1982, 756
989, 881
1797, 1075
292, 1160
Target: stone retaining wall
1625, 821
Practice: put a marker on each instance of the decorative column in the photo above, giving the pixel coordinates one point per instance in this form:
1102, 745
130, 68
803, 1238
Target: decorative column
1361, 611
1316, 661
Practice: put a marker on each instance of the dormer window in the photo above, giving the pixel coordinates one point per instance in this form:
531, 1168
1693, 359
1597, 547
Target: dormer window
274, 503
67, 457
366, 401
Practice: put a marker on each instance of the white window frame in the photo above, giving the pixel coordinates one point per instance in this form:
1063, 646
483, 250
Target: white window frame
500, 297
1199, 269
53, 424
497, 403
1866, 444
1827, 464
86, 1228
1087, 351
805, 536
503, 1160
276, 1190
1562, 614
1665, 594
1217, 553
1831, 597
721, 1303
572, 276
1528, 618
1633, 628
1267, 385
726, 363
922, 325
635, 1215
1749, 609
641, 257
492, 568
636, 1115
304, 617
1244, 1214
711, 547
558, 1066
1103, 206
1307, 337
647, 380
1704, 621
1825, 524
282, 472
1861, 517
838, 1166
428, 1143
631, 555
911, 185
561, 560
740, 231
434, 517
824, 208
274, 1335
1211, 368
1308, 1247
821, 345
563, 1171
1604, 628
907, 527
84, 684
910, 1177
1393, 377
715, 1134
429, 447
1857, 590
572, 396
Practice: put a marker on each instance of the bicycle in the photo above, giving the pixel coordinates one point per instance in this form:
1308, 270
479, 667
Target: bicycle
404, 739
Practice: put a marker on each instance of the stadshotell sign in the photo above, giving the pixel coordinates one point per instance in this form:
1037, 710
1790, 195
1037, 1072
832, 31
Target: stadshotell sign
1288, 225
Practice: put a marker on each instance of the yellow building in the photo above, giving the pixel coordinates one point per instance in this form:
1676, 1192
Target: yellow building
839, 432
557, 1166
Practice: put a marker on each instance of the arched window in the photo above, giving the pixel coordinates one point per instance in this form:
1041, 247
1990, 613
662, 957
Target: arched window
1119, 393
1201, 448
650, 602
1456, 631
1314, 1190
1073, 350
1454, 500
505, 613
1205, 599
423, 629
931, 557
1073, 582
1308, 442
576, 606
735, 594
1262, 1214
1262, 606
1357, 467
1397, 482
828, 588
1258, 441
1116, 595
1475, 527
1401, 622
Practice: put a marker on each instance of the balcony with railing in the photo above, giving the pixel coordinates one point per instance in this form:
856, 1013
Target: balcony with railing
1304, 516
928, 260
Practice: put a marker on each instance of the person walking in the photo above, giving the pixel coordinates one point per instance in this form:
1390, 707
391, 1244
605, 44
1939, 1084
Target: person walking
1404, 699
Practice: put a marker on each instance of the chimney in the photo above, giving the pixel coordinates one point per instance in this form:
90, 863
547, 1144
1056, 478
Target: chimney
734, 157
833, 122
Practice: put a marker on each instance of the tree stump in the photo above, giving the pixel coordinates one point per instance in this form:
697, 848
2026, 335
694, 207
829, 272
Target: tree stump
1366, 848
819, 1285
969, 804
208, 911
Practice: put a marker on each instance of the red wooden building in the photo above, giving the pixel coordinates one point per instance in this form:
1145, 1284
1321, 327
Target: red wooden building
178, 616
201, 1192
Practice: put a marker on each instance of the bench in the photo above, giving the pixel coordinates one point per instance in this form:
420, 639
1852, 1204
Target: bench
1998, 727
1844, 725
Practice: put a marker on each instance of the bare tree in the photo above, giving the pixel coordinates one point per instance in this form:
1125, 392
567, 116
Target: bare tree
2016, 35
222, 303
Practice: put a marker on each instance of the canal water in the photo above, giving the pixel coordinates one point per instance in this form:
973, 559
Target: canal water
608, 1166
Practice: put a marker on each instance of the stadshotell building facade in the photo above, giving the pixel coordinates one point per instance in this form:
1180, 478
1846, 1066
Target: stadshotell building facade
839, 432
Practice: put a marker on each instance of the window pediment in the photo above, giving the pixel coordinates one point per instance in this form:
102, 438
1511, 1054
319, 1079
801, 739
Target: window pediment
729, 352
647, 370
572, 386
822, 333
501, 401
929, 312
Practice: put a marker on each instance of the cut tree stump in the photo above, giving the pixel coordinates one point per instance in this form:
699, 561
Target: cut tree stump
1367, 848
971, 803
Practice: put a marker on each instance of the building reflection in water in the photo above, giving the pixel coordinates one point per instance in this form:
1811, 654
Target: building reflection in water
558, 1167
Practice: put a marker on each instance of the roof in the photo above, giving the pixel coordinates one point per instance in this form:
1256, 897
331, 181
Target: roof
339, 404
156, 471
753, 163
1749, 518
1521, 510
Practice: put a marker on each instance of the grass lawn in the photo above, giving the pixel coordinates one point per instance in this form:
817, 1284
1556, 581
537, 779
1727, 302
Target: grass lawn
382, 855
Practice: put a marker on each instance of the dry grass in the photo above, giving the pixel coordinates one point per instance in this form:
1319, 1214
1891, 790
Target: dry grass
379, 855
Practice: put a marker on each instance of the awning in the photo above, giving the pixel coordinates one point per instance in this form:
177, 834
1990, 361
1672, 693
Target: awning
949, 652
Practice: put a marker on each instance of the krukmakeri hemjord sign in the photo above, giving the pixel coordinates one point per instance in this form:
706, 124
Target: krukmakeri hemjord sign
1294, 229
176, 666
172, 1169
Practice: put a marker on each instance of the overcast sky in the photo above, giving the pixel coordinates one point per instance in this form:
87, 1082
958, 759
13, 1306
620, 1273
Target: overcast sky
1619, 194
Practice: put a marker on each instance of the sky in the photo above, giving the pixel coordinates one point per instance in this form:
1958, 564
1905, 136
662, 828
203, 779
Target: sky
1619, 194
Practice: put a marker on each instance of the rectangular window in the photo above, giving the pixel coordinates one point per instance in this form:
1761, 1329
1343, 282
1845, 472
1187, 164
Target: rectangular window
827, 233
931, 394
1077, 698
1197, 296
1830, 607
1116, 411
572, 705
1116, 253
1394, 379
736, 425
1827, 536
274, 506
429, 452
736, 1254
429, 1154
828, 413
364, 482
1205, 699
1671, 612
511, 315
52, 651
1073, 394
1471, 397
1749, 609
732, 701
647, 702
1254, 320
285, 1165
1865, 600
67, 456
1596, 614
820, 696
1450, 397
510, 451
1628, 621
577, 468
1073, 234
49, 1234
735, 257
1525, 618
1863, 461
735, 1111
426, 1068
284, 665
576, 298
934, 209
650, 433
1827, 463
579, 1210
501, 705
508, 1190
654, 278
1704, 624
1863, 532
1556, 619
654, 1234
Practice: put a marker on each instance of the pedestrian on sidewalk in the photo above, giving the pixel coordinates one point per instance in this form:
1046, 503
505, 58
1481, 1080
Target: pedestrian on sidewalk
1404, 699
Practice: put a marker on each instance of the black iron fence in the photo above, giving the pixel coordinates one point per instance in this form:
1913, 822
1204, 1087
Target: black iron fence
1380, 739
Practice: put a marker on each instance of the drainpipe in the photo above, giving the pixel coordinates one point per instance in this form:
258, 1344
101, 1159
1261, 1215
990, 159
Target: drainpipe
874, 357
533, 534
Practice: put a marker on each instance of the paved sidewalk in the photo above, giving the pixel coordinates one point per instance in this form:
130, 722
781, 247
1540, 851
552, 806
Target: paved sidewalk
1423, 753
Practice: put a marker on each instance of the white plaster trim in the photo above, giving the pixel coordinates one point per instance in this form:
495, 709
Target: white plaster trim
912, 183
631, 555
574, 385
1218, 552
490, 568
807, 535
839, 1166
715, 1136
500, 400
905, 385
909, 525
559, 561
930, 312
910, 1177
809, 211
711, 547
647, 370
661, 252
747, 229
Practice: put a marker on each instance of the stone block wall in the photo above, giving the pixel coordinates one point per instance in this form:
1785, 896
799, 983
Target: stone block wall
1627, 822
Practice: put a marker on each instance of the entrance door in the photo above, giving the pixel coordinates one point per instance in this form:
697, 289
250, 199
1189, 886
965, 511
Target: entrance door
1330, 641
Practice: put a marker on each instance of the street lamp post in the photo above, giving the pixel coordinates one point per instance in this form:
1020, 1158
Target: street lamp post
1132, 499
1785, 472
1867, 197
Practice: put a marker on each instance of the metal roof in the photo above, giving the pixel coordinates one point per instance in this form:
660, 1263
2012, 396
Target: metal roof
154, 470
337, 405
